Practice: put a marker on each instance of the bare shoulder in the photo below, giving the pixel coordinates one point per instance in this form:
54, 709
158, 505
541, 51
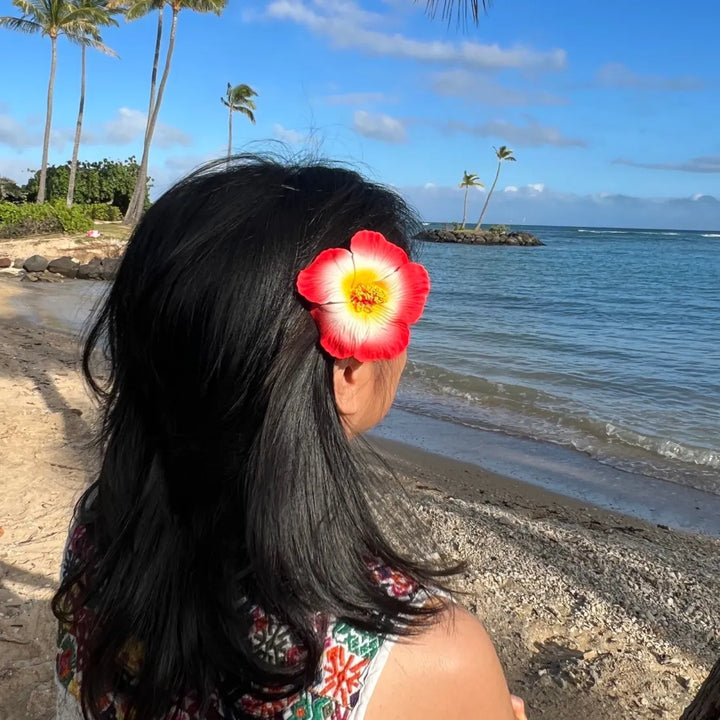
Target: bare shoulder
451, 670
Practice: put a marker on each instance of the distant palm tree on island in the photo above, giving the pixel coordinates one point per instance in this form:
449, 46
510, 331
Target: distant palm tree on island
504, 154
468, 180
239, 99
54, 18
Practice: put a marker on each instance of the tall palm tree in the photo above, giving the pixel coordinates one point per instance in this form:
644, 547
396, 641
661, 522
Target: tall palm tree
93, 40
52, 18
468, 180
238, 99
503, 154
136, 8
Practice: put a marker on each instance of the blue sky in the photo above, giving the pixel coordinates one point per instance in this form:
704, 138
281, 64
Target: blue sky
611, 108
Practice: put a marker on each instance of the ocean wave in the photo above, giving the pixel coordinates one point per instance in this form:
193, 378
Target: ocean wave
532, 413
665, 447
713, 235
605, 232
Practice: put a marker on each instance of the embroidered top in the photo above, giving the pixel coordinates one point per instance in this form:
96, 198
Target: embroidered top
351, 662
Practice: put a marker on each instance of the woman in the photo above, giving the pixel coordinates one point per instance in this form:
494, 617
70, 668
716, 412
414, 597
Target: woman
232, 558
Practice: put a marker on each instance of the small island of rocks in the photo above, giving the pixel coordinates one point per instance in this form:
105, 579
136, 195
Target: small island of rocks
493, 236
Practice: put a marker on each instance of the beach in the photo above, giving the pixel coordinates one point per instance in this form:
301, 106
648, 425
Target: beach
594, 613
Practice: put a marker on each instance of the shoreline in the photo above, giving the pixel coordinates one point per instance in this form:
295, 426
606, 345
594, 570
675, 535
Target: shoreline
64, 307
560, 470
592, 613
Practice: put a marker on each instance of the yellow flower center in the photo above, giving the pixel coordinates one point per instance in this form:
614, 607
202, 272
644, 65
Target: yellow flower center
365, 296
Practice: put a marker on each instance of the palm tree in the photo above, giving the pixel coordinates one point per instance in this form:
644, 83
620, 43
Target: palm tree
104, 17
133, 10
52, 18
503, 154
468, 180
238, 99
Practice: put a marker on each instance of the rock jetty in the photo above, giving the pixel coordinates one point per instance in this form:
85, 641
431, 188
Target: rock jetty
39, 269
480, 237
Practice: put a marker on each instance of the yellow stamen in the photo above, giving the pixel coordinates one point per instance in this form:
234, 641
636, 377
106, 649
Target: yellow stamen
365, 296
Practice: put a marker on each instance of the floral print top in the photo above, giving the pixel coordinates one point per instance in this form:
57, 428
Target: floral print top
350, 663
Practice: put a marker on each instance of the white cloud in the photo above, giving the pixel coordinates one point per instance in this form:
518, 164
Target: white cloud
537, 187
17, 168
429, 185
292, 137
706, 164
350, 27
510, 189
128, 126
16, 134
474, 87
620, 76
532, 134
379, 127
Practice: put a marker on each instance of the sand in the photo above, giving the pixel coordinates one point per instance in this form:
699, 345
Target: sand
594, 615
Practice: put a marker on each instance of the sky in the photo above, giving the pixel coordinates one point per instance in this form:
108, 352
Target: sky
610, 108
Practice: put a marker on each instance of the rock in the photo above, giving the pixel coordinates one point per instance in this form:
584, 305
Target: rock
479, 237
43, 276
65, 266
36, 263
5, 262
89, 271
19, 262
109, 268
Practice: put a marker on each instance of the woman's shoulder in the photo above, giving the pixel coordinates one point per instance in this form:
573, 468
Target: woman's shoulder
456, 653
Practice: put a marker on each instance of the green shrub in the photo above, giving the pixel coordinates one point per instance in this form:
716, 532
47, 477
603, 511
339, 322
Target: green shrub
498, 229
77, 218
103, 211
18, 220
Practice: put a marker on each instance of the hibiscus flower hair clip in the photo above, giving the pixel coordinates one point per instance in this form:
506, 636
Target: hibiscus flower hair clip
365, 299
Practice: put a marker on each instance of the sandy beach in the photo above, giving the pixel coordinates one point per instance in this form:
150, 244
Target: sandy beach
594, 614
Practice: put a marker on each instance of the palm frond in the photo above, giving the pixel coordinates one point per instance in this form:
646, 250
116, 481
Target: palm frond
202, 6
460, 9
247, 112
20, 25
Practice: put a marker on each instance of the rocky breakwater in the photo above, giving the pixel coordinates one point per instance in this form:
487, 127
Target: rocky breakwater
480, 237
39, 269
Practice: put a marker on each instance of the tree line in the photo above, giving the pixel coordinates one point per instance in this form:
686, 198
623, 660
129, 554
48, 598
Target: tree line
81, 23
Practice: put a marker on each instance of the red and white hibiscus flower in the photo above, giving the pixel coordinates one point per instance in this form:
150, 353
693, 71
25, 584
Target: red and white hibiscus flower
365, 298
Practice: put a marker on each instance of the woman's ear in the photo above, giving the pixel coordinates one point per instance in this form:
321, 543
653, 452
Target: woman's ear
349, 379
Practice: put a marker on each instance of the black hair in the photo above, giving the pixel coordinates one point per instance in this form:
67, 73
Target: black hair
227, 478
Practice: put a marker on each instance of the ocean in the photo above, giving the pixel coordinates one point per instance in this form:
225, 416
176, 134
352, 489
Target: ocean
605, 342
589, 366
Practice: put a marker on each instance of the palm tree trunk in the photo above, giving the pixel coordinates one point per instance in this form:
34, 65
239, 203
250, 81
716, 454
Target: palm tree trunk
467, 187
706, 704
230, 133
137, 201
156, 60
48, 123
78, 131
487, 199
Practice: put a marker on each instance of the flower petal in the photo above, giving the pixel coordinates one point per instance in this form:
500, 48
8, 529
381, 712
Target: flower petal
408, 290
390, 339
366, 337
321, 281
371, 248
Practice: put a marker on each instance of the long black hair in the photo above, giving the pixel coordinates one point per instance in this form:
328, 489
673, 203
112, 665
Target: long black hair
227, 478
